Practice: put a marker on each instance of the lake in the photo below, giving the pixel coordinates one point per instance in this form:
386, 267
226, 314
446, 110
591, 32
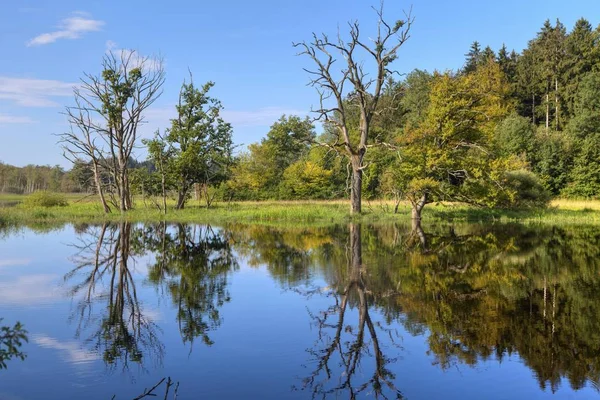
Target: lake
467, 311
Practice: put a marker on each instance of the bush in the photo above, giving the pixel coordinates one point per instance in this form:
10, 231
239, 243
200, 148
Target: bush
527, 190
45, 199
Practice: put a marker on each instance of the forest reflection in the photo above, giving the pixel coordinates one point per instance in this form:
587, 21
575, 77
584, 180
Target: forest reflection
477, 292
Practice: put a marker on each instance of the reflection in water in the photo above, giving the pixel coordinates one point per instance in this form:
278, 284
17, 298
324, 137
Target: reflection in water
486, 293
193, 263
345, 344
11, 340
122, 332
476, 292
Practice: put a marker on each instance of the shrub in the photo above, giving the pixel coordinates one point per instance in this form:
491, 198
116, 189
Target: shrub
527, 190
45, 199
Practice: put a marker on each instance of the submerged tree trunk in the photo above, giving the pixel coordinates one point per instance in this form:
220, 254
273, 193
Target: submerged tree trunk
356, 185
355, 246
417, 207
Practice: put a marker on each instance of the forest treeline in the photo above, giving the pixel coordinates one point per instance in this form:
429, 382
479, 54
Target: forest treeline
507, 130
535, 114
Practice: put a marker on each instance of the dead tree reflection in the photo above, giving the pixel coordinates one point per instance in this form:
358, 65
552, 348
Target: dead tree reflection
121, 330
345, 345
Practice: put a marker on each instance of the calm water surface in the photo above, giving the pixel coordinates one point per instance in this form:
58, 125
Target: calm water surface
240, 312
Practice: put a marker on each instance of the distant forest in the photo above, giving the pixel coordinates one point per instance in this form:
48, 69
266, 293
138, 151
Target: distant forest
534, 116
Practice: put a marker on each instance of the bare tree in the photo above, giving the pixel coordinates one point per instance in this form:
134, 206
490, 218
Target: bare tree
354, 86
105, 119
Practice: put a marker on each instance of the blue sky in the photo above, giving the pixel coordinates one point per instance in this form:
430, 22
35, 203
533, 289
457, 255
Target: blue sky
244, 47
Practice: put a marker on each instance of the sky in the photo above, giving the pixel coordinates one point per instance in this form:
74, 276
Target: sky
245, 47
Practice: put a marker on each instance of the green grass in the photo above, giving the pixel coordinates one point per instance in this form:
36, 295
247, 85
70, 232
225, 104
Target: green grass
299, 213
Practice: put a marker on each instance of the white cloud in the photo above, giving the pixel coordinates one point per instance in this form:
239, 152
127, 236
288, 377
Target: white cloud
70, 351
70, 28
110, 45
14, 262
134, 58
29, 290
33, 92
14, 119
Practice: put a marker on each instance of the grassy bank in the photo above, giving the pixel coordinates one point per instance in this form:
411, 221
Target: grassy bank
82, 209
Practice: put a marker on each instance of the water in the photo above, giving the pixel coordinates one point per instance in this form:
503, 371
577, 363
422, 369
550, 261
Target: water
387, 311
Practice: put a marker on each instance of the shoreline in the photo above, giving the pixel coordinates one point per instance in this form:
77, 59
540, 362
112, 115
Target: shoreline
325, 212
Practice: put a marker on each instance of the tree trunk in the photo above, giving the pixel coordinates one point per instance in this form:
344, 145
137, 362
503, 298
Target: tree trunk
98, 182
164, 192
197, 192
556, 106
181, 199
418, 207
127, 190
356, 185
547, 111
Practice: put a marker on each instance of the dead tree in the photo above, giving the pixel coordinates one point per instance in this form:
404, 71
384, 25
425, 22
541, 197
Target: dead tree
354, 86
106, 116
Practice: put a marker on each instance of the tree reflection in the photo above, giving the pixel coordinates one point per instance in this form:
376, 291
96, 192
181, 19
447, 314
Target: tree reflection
485, 292
477, 292
347, 344
121, 331
11, 340
193, 263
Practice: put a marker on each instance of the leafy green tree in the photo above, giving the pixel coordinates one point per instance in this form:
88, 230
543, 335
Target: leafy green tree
414, 102
515, 135
585, 176
454, 143
159, 182
305, 180
199, 140
553, 159
259, 173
